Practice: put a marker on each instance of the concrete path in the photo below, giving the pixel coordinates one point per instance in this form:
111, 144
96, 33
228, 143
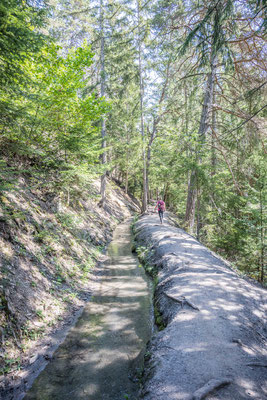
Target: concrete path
100, 355
213, 344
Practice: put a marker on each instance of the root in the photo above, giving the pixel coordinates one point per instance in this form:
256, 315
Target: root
182, 300
238, 341
209, 387
257, 364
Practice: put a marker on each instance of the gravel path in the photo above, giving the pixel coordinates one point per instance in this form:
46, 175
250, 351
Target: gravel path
213, 343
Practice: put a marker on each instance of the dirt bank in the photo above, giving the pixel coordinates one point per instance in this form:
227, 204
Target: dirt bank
213, 344
49, 246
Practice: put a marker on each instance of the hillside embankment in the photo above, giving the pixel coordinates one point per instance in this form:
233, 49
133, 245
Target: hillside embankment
211, 342
49, 247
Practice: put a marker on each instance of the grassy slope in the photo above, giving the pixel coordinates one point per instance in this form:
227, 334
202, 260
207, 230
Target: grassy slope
47, 252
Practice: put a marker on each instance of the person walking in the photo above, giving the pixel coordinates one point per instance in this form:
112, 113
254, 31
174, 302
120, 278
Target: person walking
160, 206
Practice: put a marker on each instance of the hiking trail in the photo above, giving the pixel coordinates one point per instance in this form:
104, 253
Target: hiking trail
213, 346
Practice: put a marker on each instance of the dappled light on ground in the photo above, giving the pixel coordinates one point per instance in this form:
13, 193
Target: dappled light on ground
214, 336
99, 357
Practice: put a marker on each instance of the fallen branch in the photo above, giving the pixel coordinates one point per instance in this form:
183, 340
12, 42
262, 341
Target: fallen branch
182, 301
209, 387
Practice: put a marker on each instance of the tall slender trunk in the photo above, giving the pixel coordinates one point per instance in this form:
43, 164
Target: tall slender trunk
126, 181
127, 161
198, 210
213, 152
262, 239
148, 157
203, 127
213, 133
191, 201
166, 193
144, 197
102, 94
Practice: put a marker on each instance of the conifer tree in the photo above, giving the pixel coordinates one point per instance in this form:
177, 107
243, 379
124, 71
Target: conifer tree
20, 38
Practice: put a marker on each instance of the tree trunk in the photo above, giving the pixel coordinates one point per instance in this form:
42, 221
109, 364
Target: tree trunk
191, 201
144, 197
213, 153
213, 131
102, 94
148, 156
198, 211
166, 192
262, 240
126, 182
127, 172
127, 159
203, 127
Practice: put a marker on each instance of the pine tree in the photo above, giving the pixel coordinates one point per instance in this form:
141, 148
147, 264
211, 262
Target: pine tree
20, 39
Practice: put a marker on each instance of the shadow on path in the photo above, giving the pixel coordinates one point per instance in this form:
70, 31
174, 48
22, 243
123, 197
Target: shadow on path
215, 320
99, 357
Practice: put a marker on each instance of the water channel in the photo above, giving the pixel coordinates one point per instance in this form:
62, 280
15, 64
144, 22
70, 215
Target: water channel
99, 357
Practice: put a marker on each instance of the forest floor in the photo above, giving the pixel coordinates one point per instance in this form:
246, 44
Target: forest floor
212, 341
48, 251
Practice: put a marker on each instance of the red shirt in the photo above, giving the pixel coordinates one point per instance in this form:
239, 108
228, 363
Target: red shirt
161, 205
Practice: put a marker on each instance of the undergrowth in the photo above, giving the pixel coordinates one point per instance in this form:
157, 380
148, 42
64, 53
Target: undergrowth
144, 254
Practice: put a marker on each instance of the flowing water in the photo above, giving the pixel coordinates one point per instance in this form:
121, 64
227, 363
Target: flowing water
99, 357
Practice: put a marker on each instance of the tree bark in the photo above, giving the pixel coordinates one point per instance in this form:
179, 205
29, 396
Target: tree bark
102, 94
166, 192
191, 201
202, 130
148, 156
198, 210
144, 197
153, 133
213, 130
262, 236
127, 171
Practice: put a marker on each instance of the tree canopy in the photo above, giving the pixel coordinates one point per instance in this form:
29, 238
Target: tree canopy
167, 97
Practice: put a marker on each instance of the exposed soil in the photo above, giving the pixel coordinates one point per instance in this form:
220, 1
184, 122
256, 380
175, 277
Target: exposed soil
214, 342
49, 247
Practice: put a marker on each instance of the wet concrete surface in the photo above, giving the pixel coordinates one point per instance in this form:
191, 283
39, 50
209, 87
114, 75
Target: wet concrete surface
101, 355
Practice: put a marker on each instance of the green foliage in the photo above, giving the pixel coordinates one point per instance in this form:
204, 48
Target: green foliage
142, 252
50, 109
10, 364
39, 313
158, 319
60, 118
66, 220
20, 39
7, 177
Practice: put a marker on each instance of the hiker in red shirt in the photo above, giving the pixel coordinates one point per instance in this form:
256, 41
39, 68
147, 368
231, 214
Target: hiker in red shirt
161, 208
